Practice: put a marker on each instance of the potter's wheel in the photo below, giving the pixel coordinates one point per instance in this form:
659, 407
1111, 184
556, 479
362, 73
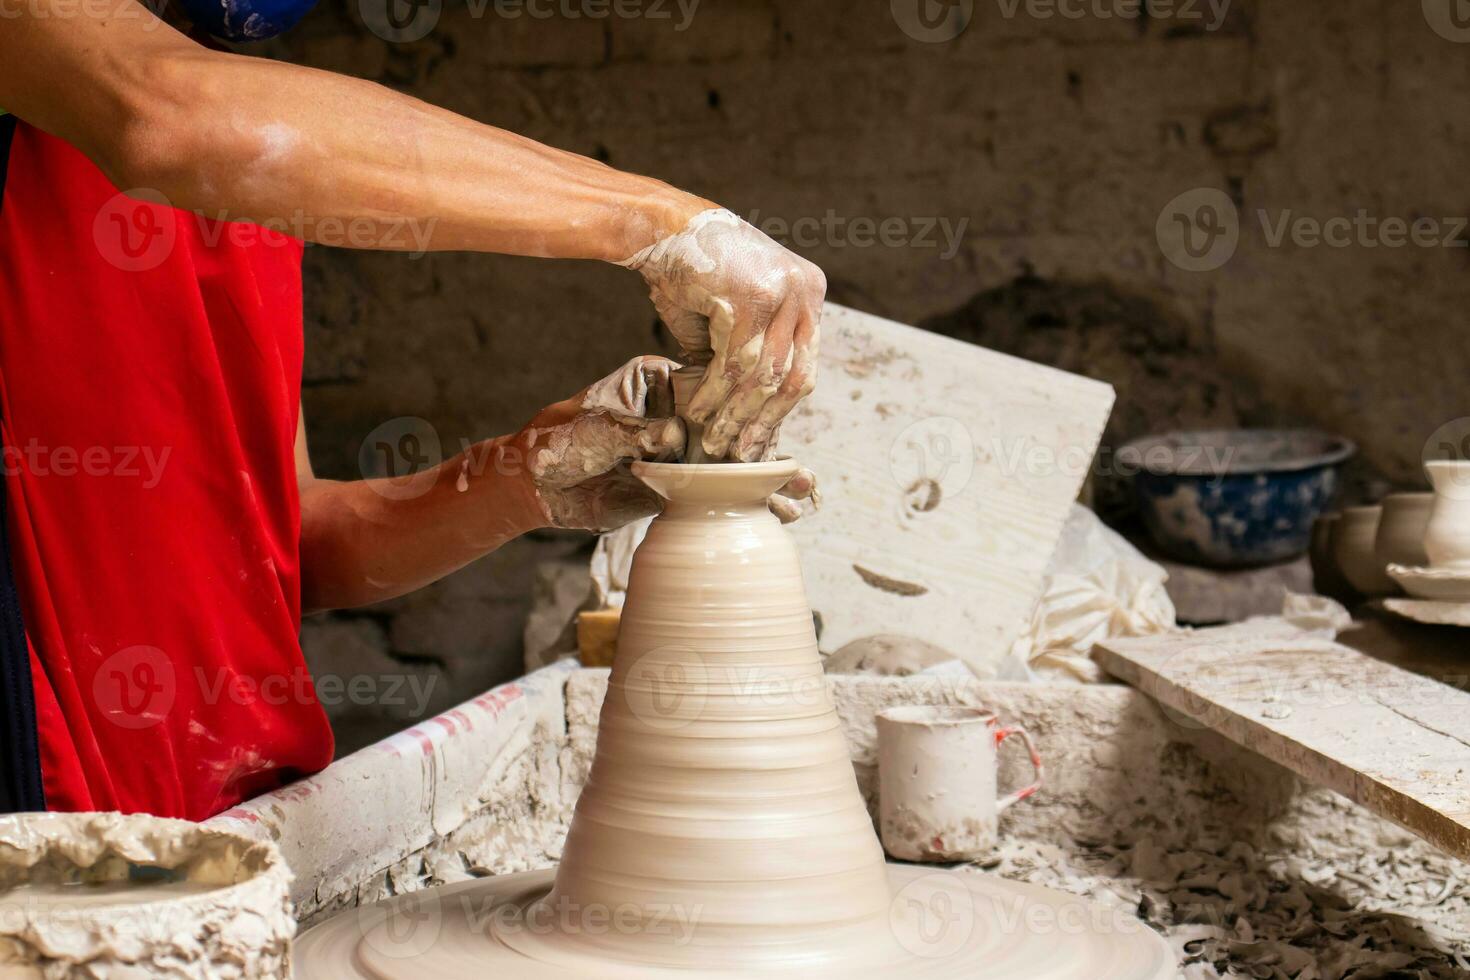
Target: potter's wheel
941, 924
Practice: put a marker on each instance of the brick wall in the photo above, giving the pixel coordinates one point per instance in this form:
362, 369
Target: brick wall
1047, 145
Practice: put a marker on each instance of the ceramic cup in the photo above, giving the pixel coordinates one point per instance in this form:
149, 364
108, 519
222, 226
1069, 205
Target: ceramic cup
1402, 528
1447, 539
938, 796
1354, 548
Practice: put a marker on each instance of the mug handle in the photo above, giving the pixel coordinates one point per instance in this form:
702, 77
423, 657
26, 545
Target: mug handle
1001, 734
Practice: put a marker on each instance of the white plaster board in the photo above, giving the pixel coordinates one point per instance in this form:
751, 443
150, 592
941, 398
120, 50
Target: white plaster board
979, 555
391, 799
1395, 741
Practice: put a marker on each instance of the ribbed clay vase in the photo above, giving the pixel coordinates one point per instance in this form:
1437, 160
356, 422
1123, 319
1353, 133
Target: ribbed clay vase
722, 785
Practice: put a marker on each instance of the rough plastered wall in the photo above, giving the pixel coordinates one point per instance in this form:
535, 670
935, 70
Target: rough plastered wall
1017, 178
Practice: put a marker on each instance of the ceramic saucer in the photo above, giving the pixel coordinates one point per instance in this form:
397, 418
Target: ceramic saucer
1436, 584
1430, 612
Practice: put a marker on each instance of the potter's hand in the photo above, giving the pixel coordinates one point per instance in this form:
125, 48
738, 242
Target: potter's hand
786, 502
575, 452
748, 311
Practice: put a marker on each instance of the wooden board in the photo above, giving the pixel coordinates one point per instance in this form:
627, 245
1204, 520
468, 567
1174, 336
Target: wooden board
1395, 740
597, 636
947, 471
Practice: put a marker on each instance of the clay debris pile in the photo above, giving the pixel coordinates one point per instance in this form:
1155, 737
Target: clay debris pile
1310, 908
114, 897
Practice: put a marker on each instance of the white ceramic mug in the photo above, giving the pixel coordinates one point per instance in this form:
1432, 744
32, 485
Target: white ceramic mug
937, 781
1447, 539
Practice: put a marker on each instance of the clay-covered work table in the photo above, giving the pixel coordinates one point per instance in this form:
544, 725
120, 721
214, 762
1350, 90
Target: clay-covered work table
1382, 715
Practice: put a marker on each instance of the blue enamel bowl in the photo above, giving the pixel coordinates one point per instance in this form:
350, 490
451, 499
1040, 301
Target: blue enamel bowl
247, 20
1234, 498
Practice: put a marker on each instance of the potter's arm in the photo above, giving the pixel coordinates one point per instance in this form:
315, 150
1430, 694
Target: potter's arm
342, 161
369, 540
317, 152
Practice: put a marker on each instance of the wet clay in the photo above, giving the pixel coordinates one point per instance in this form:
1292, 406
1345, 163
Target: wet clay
113, 896
721, 831
101, 895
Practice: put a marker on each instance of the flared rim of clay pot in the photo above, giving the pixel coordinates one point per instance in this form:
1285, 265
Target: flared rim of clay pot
1362, 515
730, 483
936, 715
245, 893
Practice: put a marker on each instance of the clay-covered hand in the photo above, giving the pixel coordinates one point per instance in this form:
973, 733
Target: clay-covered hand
575, 453
749, 312
786, 502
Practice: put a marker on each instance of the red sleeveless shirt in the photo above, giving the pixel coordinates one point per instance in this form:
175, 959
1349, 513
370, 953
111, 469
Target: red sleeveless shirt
150, 373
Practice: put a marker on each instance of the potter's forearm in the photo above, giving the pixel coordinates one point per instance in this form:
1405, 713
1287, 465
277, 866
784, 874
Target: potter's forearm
343, 161
371, 540
331, 158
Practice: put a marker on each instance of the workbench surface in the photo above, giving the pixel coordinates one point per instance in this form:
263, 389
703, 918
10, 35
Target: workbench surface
1381, 715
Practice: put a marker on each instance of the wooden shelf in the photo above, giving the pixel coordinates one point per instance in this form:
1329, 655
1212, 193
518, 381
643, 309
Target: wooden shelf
1381, 716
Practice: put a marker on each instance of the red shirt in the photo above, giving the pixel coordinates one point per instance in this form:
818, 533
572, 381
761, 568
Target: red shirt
150, 380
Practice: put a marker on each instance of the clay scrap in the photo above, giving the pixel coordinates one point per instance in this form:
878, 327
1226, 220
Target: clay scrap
111, 896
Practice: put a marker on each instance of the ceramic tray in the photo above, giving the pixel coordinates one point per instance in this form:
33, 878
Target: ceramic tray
1435, 584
